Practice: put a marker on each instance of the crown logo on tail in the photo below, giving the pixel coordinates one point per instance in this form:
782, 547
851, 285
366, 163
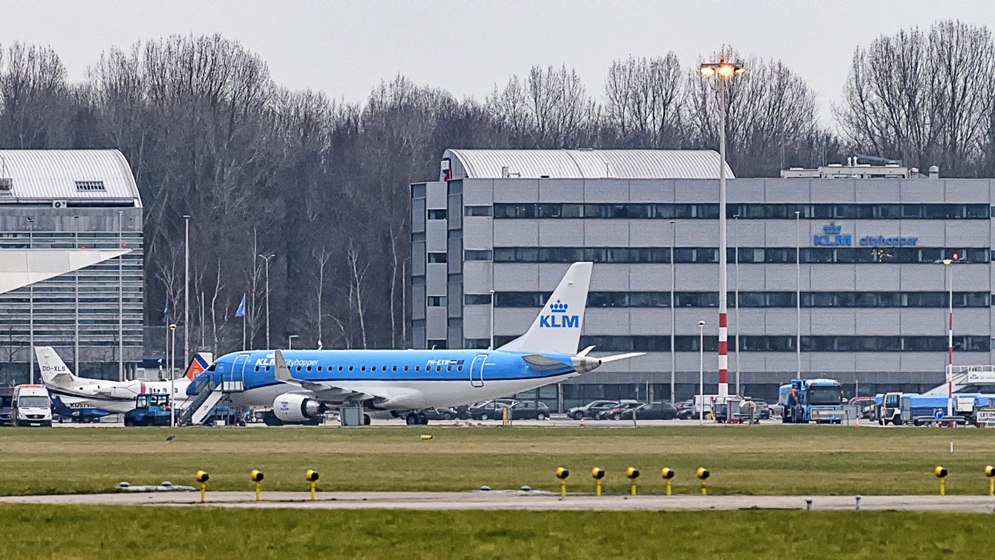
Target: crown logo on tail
558, 307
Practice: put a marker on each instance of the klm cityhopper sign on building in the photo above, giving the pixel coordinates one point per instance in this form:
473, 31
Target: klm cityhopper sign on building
834, 236
557, 318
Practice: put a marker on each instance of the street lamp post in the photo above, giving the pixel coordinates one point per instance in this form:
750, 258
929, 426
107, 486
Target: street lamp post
950, 331
798, 290
723, 71
172, 388
673, 313
267, 297
701, 372
290, 341
735, 236
186, 290
491, 347
31, 305
76, 299
120, 297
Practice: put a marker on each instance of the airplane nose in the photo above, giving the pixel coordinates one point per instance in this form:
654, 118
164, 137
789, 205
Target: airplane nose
584, 364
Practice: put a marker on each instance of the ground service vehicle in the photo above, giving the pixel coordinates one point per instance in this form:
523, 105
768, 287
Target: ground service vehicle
591, 409
31, 406
150, 410
6, 396
811, 400
891, 409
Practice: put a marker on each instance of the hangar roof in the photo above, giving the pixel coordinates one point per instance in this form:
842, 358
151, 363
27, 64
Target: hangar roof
66, 174
585, 164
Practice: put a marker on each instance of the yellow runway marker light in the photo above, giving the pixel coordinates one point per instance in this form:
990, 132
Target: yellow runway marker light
562, 474
426, 437
633, 474
667, 475
598, 474
941, 473
990, 473
312, 477
703, 474
257, 477
202, 478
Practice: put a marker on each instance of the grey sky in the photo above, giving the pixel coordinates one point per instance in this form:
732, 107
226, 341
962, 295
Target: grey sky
345, 48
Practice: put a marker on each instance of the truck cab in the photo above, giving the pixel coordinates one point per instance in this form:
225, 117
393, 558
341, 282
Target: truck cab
890, 409
811, 400
31, 406
151, 409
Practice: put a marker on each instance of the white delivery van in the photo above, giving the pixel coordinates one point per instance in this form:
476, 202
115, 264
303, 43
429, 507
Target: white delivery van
31, 406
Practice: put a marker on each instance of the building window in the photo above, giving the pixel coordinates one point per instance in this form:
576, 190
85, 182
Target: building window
478, 255
769, 255
476, 343
436, 258
436, 214
473, 211
476, 299
90, 186
437, 345
746, 211
436, 301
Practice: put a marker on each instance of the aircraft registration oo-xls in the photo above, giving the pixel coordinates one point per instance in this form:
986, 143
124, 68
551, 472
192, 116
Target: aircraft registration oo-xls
404, 380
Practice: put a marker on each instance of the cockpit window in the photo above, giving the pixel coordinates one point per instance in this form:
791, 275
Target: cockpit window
213, 366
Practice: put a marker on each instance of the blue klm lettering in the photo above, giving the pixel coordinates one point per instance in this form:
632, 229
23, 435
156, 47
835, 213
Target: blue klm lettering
565, 322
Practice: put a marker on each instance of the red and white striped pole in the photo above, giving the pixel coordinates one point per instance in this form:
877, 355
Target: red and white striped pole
950, 339
723, 258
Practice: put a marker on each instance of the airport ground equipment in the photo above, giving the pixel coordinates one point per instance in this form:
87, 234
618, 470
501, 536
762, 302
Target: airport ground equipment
257, 477
633, 474
811, 400
990, 473
703, 475
668, 474
941, 473
150, 410
31, 406
598, 474
562, 474
202, 478
312, 477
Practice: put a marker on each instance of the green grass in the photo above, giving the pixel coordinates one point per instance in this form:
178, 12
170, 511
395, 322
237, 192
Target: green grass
71, 532
742, 459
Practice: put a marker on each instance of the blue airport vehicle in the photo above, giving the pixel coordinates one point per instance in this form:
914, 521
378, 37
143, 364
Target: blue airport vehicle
811, 400
151, 409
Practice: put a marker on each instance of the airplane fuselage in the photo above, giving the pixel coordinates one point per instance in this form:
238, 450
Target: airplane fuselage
403, 379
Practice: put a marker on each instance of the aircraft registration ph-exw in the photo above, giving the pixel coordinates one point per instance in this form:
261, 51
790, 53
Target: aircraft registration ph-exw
397, 381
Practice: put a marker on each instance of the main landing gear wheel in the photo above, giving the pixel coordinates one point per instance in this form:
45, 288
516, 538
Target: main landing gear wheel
367, 420
412, 419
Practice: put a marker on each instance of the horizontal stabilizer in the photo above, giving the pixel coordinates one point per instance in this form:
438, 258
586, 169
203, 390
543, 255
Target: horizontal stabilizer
543, 361
585, 351
618, 357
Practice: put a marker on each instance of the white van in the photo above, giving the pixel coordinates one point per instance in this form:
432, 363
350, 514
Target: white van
31, 406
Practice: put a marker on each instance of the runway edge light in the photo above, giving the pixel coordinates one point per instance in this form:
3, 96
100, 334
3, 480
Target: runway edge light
202, 478
562, 474
633, 474
668, 474
941, 473
312, 477
990, 473
257, 477
703, 474
598, 474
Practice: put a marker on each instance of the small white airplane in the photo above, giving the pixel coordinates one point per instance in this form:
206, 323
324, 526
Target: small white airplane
110, 396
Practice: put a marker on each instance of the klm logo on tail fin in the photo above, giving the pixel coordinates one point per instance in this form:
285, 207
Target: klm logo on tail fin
553, 320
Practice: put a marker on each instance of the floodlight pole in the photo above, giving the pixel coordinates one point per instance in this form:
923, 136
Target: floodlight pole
120, 297
736, 249
76, 300
186, 290
673, 313
31, 304
798, 291
950, 339
701, 372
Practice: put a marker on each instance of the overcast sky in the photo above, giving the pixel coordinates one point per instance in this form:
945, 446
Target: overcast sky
345, 48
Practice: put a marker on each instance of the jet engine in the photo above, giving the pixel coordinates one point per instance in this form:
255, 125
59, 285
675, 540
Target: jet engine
294, 407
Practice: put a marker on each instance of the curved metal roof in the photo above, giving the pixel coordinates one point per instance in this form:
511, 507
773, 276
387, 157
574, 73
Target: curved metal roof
68, 174
585, 164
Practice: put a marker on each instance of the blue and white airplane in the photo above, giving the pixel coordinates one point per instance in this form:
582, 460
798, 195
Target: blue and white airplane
301, 384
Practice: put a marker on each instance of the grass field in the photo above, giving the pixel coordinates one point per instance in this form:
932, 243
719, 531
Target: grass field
70, 532
743, 459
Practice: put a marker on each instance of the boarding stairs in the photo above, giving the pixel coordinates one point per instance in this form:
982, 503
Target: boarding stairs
962, 378
212, 390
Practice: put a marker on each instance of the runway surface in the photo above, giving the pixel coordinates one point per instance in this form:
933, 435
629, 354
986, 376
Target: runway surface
520, 501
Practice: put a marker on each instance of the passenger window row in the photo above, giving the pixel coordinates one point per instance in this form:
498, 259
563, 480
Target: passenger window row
363, 368
745, 211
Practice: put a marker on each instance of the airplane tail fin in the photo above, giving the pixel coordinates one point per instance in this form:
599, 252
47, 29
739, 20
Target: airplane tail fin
53, 370
557, 328
200, 362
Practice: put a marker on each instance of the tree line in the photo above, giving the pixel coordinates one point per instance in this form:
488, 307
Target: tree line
317, 190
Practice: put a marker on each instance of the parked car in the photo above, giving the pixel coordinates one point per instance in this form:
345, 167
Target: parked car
617, 412
491, 410
763, 409
652, 411
434, 413
591, 409
529, 410
6, 398
463, 411
864, 404
685, 410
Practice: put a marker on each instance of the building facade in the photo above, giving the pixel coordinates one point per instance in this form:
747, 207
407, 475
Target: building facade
828, 277
73, 199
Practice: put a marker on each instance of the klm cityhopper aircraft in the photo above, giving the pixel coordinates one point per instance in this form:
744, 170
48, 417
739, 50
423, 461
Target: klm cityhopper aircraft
397, 381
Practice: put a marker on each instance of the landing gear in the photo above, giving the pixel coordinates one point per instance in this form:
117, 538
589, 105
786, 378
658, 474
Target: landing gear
416, 419
367, 420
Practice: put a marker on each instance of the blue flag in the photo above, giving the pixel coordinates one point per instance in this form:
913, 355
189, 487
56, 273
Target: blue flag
241, 308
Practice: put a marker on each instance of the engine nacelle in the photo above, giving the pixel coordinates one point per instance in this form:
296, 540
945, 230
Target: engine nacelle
293, 407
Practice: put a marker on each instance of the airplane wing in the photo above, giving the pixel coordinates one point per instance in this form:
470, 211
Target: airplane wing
351, 391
